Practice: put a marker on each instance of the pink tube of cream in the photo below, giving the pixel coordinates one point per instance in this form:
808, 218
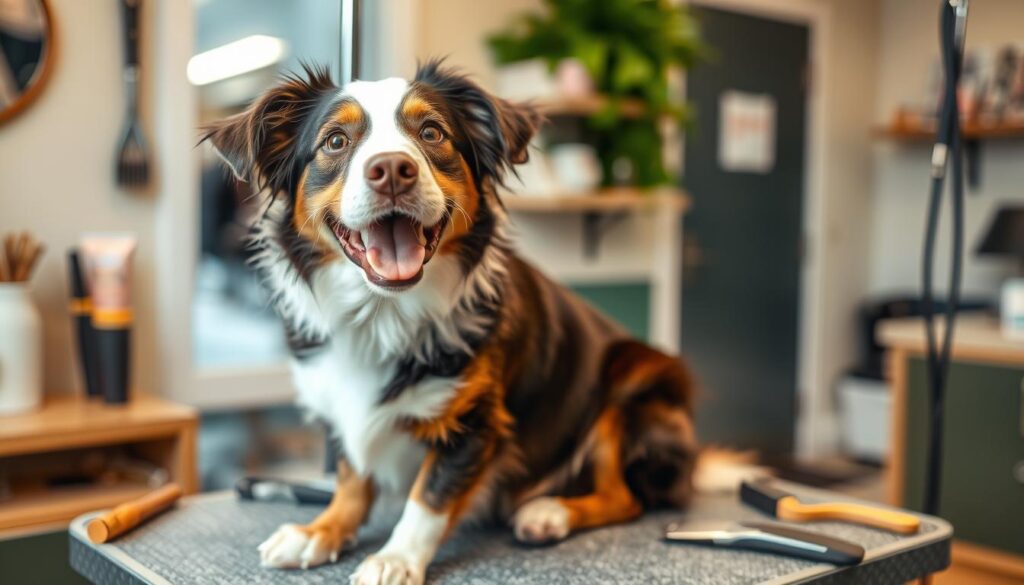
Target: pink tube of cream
108, 265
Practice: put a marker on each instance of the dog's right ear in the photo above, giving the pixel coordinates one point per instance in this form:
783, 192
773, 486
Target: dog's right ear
258, 144
231, 140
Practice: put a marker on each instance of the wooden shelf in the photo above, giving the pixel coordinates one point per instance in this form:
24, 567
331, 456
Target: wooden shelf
604, 201
974, 134
156, 431
61, 505
971, 131
600, 210
585, 106
68, 422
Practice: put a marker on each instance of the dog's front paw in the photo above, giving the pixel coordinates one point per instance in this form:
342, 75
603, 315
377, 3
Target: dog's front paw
293, 546
388, 569
541, 520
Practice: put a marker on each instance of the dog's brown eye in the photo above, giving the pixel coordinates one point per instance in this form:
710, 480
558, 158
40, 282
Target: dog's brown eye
431, 134
335, 142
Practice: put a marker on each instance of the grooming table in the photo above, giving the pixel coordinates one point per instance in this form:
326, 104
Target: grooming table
213, 538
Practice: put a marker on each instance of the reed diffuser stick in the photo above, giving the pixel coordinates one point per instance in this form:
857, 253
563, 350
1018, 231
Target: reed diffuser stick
19, 257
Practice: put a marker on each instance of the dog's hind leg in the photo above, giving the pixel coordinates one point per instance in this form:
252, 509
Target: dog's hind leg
547, 519
656, 394
641, 450
303, 546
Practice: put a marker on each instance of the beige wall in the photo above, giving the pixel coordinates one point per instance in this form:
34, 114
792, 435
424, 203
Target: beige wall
457, 28
56, 165
851, 81
909, 43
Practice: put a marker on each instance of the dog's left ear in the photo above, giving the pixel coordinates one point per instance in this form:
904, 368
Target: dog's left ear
498, 132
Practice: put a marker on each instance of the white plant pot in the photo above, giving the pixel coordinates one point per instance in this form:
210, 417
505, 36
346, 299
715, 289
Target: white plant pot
21, 350
526, 80
1012, 309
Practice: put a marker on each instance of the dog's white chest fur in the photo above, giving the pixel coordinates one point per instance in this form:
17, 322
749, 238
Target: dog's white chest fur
342, 389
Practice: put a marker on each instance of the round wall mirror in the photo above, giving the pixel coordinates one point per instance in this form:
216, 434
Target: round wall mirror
26, 53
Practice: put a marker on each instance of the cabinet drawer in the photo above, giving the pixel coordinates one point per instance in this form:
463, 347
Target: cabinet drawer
983, 491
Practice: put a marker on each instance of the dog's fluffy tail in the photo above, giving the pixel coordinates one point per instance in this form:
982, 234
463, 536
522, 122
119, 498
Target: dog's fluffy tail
722, 471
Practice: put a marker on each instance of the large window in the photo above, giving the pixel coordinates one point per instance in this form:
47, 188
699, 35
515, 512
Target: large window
241, 46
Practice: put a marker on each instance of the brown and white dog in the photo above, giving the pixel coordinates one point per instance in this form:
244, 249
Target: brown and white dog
449, 369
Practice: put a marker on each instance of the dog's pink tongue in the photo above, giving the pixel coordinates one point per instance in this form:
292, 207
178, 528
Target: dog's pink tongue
395, 249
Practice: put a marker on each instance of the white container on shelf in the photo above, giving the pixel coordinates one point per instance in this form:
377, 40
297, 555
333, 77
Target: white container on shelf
866, 407
1012, 309
526, 81
21, 350
576, 167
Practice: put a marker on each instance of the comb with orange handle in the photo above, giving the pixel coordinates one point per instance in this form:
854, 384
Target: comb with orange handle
785, 506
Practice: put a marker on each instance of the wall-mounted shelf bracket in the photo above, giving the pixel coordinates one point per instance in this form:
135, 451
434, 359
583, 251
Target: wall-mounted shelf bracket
972, 160
595, 225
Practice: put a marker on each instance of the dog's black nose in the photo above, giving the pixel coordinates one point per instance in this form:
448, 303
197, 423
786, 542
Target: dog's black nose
391, 173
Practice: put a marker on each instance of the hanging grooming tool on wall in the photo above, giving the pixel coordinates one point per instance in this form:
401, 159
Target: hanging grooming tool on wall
133, 166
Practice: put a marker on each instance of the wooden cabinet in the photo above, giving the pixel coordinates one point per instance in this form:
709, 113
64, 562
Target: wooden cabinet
982, 495
51, 460
983, 456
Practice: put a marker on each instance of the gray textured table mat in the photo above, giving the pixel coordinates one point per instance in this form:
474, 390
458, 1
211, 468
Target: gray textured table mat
213, 539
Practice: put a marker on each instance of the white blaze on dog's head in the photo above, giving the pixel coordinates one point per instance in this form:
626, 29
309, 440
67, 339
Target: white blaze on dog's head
390, 196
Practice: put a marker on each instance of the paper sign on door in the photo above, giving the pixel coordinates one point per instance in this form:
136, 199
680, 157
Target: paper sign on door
746, 132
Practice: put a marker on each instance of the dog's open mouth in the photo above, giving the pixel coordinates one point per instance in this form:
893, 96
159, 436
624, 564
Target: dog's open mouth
391, 251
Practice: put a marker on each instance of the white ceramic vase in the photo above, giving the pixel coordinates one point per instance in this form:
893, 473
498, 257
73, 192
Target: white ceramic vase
21, 350
576, 167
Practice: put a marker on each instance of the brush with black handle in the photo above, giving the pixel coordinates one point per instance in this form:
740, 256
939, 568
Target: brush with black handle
264, 489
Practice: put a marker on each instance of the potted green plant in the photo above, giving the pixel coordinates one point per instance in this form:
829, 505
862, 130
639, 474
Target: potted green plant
628, 48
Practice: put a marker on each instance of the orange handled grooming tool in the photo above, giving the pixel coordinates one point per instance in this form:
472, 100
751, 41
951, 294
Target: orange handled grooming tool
783, 505
130, 514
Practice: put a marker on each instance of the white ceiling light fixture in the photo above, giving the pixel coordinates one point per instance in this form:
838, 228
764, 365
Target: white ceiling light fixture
235, 58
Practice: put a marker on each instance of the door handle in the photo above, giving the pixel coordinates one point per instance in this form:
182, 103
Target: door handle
693, 258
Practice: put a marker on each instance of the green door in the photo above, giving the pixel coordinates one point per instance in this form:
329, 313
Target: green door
740, 302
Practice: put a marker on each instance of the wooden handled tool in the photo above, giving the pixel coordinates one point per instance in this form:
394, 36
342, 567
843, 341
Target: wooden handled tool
785, 506
130, 514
